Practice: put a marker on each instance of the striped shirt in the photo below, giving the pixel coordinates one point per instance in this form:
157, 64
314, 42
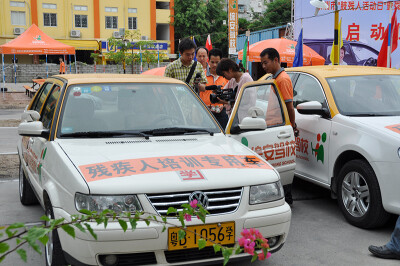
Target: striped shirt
179, 71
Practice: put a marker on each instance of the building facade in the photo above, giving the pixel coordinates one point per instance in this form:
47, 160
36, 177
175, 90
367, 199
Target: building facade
86, 24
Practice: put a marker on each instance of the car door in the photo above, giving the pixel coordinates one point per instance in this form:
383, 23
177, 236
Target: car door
276, 142
37, 145
312, 144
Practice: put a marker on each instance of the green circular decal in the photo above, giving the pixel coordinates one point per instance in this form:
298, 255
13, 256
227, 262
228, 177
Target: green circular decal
245, 141
324, 137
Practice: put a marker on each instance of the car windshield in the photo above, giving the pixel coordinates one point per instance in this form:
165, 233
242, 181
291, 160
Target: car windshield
134, 109
372, 95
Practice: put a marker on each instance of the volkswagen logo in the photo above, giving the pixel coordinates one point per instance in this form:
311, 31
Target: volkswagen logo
201, 198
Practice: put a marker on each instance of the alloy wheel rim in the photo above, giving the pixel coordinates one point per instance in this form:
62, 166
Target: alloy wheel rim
355, 194
49, 244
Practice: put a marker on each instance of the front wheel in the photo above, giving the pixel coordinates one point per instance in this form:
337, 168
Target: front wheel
359, 195
53, 252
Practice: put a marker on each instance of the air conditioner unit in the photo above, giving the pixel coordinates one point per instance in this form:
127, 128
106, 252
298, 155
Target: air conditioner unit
116, 34
75, 33
145, 38
18, 31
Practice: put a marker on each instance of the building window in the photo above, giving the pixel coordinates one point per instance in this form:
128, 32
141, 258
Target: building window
81, 21
111, 9
18, 18
162, 5
132, 10
49, 6
17, 4
111, 22
50, 19
132, 23
241, 8
80, 8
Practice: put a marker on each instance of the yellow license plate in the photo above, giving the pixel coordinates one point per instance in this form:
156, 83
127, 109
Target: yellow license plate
222, 233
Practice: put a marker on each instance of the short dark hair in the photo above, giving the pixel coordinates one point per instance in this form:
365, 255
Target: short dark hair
226, 64
272, 54
201, 47
215, 52
186, 44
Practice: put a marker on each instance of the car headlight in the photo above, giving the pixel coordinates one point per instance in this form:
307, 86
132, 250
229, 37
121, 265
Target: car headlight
98, 203
398, 152
266, 193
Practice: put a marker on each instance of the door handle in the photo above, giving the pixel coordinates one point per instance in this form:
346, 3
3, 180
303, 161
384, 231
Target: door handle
284, 135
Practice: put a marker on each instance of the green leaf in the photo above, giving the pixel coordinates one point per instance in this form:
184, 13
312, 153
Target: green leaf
123, 224
202, 243
164, 219
69, 230
147, 222
35, 247
4, 247
181, 234
226, 252
80, 227
163, 229
133, 223
89, 228
18, 241
216, 248
1, 259
254, 258
35, 233
45, 218
105, 222
84, 211
22, 254
238, 250
44, 239
14, 226
172, 210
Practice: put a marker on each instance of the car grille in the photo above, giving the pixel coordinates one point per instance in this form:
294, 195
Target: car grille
133, 259
220, 201
192, 254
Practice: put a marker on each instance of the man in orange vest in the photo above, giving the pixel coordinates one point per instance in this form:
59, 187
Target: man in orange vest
217, 109
62, 65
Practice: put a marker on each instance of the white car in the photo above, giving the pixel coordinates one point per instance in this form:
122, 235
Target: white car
128, 143
349, 122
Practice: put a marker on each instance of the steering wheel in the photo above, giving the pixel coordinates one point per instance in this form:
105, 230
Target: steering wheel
370, 62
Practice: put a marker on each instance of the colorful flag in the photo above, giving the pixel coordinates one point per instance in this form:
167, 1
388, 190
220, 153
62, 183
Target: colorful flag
195, 59
208, 43
298, 57
340, 42
245, 53
384, 55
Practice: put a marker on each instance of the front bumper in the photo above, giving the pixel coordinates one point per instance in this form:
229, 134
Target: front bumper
271, 222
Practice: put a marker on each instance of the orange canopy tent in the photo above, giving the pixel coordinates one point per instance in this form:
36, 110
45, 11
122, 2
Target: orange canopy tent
35, 41
158, 71
286, 49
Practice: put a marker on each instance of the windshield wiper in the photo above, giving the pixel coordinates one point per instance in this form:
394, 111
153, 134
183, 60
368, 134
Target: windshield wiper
103, 134
177, 131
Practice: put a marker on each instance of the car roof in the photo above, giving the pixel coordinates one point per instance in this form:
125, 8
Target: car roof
328, 71
115, 78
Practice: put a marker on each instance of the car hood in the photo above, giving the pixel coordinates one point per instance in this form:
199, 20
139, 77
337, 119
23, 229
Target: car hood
389, 125
161, 164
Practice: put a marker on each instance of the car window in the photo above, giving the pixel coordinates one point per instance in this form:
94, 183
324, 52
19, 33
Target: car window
42, 94
363, 53
307, 89
366, 95
132, 107
49, 107
263, 98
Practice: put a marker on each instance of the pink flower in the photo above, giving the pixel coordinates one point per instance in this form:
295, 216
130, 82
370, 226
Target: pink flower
193, 204
188, 217
261, 256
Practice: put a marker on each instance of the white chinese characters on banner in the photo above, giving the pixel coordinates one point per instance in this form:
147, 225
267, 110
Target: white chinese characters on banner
233, 25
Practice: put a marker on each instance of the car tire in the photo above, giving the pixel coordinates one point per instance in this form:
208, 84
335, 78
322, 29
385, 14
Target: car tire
359, 195
26, 194
54, 254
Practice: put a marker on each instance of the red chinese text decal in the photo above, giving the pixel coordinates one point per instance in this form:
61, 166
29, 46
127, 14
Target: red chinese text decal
105, 170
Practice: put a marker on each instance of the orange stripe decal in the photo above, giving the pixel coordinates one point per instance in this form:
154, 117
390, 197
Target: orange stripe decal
106, 170
171, 27
395, 128
153, 20
34, 12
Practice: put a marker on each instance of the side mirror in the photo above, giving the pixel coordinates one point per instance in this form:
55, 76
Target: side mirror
30, 115
256, 121
33, 129
313, 108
